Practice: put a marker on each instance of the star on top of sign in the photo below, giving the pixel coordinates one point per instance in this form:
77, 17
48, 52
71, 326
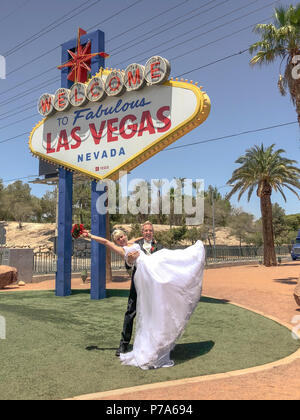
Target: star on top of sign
80, 62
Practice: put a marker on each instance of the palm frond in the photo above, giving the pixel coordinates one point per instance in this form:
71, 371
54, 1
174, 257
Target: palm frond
291, 189
263, 57
234, 189
280, 39
280, 16
251, 191
281, 192
263, 167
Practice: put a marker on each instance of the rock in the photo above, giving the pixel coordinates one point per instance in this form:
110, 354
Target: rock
8, 275
297, 293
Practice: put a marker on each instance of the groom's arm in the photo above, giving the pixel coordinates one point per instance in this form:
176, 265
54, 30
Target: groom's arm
132, 256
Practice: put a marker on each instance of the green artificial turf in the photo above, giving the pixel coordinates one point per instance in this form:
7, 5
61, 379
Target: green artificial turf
62, 347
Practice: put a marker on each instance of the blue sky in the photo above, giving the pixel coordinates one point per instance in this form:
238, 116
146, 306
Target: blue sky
243, 98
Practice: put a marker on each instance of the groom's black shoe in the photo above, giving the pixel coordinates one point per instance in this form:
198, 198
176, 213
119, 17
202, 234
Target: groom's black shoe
122, 349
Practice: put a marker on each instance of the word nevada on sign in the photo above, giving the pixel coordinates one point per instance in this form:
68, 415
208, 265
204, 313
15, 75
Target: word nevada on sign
117, 120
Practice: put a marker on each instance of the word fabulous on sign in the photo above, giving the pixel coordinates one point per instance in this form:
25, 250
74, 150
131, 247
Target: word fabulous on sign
117, 120
156, 71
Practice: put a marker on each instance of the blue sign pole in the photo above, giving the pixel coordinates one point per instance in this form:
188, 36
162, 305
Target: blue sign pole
65, 185
64, 240
98, 252
98, 221
65, 198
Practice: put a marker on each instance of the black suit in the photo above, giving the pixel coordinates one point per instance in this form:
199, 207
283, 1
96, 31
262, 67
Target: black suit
131, 307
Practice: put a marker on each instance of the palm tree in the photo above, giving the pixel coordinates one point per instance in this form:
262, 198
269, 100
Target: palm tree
281, 40
266, 170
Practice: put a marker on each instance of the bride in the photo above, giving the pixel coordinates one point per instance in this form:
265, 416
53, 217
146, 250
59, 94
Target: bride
168, 285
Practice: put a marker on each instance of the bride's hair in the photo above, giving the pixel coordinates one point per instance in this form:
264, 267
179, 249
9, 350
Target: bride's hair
117, 233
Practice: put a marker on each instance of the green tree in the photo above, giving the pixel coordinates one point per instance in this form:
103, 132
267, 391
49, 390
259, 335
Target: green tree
222, 207
138, 202
217, 211
37, 212
195, 233
241, 225
280, 227
18, 203
135, 231
48, 206
281, 40
266, 170
293, 225
255, 239
293, 221
82, 202
171, 237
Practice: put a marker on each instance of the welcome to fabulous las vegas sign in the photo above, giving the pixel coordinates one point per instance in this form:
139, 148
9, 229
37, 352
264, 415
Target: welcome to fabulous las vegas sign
117, 120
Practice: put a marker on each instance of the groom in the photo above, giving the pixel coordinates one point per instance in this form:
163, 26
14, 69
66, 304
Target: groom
148, 246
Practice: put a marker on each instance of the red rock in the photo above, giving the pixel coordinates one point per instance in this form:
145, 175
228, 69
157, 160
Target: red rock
297, 293
8, 275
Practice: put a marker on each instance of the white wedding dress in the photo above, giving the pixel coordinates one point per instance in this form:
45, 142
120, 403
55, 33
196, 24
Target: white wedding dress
168, 285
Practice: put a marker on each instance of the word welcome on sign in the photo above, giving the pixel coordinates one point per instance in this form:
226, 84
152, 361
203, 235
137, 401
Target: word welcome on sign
135, 77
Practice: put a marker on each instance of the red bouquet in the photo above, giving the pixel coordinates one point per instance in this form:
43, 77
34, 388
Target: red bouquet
77, 230
153, 247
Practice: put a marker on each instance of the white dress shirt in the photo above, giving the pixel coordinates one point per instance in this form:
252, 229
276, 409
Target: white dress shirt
147, 247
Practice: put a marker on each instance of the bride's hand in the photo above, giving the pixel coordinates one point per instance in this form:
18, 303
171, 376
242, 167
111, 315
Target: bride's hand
86, 234
132, 257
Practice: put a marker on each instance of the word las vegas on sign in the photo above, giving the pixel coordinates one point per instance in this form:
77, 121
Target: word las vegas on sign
117, 120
